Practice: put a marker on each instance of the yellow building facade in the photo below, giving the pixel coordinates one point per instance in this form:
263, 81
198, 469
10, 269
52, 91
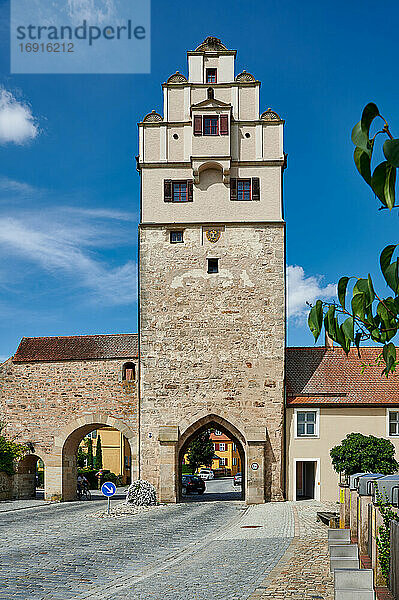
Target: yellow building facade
116, 456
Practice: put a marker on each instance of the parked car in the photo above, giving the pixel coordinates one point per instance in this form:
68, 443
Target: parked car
237, 479
206, 474
192, 483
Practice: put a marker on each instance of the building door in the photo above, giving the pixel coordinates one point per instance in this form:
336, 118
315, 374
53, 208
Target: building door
305, 479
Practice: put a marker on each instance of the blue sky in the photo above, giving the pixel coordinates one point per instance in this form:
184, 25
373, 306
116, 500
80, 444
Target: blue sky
69, 192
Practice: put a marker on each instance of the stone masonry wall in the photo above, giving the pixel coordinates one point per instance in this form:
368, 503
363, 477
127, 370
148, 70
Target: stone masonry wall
213, 343
37, 399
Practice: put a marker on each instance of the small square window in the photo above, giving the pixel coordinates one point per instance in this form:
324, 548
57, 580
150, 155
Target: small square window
222, 447
211, 75
211, 125
243, 189
176, 237
393, 423
213, 265
179, 191
306, 423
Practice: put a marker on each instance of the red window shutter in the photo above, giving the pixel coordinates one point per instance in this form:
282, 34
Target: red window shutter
224, 125
197, 125
216, 447
189, 190
167, 190
233, 188
255, 188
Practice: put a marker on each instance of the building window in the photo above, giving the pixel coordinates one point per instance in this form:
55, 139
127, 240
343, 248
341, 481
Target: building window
223, 462
306, 423
213, 265
393, 422
211, 125
245, 189
178, 191
234, 462
176, 237
217, 432
128, 372
222, 447
216, 447
234, 448
211, 76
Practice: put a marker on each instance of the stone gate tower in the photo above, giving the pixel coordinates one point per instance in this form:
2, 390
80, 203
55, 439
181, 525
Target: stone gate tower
211, 274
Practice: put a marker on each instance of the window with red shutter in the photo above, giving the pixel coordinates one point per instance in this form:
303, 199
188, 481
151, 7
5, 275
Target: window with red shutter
224, 125
216, 447
211, 126
233, 188
197, 125
189, 190
211, 76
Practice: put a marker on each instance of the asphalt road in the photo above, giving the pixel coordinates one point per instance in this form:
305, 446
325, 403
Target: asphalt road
216, 490
189, 551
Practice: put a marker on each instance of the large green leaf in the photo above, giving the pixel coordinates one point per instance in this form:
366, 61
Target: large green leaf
360, 132
389, 356
315, 319
391, 152
383, 183
358, 306
390, 270
362, 162
389, 188
330, 323
342, 285
348, 329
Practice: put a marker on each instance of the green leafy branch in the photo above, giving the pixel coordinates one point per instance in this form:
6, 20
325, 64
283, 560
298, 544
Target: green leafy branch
384, 538
368, 315
382, 180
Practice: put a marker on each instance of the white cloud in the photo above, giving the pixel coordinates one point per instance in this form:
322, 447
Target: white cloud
95, 12
17, 124
302, 289
12, 186
62, 249
100, 213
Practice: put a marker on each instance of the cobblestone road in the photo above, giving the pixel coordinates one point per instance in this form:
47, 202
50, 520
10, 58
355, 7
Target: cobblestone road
195, 551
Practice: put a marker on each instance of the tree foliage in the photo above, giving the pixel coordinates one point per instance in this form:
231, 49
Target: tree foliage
90, 459
98, 461
359, 453
200, 451
361, 312
10, 451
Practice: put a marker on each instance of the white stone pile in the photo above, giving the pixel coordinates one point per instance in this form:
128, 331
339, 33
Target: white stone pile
141, 493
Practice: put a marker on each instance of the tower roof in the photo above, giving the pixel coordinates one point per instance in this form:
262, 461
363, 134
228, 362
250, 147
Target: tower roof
211, 44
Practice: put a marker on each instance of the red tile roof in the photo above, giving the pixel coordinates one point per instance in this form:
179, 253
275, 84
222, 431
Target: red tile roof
328, 376
77, 347
219, 438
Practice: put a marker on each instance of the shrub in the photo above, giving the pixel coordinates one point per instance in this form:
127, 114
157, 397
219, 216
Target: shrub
359, 453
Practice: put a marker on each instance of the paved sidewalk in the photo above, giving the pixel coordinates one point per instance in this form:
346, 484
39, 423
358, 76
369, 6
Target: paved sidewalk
303, 571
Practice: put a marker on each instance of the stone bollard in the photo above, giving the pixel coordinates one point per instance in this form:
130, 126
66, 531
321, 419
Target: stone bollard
344, 506
363, 523
353, 508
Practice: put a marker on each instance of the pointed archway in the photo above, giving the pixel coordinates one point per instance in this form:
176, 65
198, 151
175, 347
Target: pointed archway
192, 431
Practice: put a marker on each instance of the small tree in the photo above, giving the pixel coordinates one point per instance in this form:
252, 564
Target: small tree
9, 452
90, 453
200, 451
98, 461
359, 453
81, 457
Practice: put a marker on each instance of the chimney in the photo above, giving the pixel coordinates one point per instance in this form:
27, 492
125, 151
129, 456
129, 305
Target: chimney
329, 344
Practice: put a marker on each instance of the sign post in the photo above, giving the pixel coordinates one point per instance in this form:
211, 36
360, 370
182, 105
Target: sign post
108, 489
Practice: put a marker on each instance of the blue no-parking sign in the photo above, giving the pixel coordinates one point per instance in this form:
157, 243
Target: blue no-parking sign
108, 489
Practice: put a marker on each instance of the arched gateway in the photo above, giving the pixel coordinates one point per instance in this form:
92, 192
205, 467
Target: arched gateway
211, 301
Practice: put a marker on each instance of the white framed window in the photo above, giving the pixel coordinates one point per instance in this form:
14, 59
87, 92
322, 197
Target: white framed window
223, 462
217, 432
222, 447
306, 422
392, 422
234, 462
234, 448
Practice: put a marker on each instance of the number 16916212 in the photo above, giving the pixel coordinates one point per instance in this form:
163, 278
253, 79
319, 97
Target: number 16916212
48, 47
